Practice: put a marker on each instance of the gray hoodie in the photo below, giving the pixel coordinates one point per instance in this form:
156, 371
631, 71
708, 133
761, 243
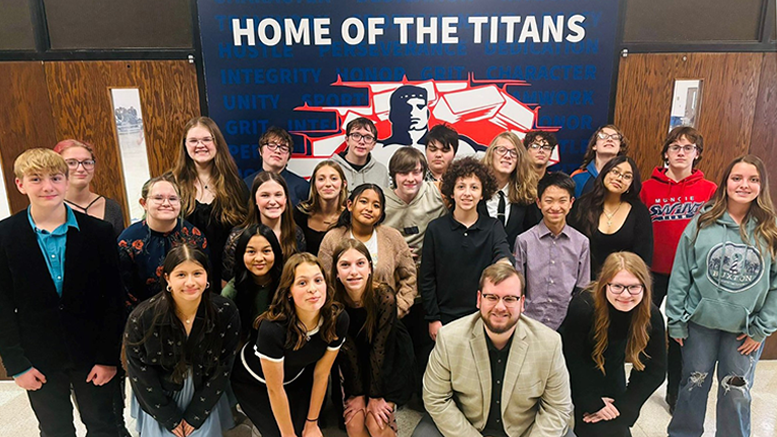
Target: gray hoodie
372, 173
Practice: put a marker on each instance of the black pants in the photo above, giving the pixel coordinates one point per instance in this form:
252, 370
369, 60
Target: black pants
418, 328
674, 359
54, 410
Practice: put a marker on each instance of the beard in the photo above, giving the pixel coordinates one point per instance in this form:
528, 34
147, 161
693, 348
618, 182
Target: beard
499, 329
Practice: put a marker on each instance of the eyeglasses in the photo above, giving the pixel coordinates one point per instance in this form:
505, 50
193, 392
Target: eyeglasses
509, 301
502, 151
74, 163
194, 141
603, 136
283, 148
544, 146
688, 148
623, 176
368, 139
633, 290
159, 200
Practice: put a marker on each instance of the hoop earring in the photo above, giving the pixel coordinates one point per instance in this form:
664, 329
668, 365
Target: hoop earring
169, 288
207, 285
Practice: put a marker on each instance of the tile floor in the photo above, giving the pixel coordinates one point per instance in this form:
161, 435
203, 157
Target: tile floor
17, 420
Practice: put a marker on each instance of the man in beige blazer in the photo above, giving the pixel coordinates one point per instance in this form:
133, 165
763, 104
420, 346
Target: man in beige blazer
497, 351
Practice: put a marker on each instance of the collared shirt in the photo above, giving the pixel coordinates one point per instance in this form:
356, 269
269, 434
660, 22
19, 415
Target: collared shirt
493, 204
453, 258
498, 359
553, 266
53, 244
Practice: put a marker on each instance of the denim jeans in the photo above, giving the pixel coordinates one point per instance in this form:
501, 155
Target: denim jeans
701, 350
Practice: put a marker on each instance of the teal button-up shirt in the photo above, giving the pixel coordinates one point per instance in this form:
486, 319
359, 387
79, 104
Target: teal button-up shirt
53, 245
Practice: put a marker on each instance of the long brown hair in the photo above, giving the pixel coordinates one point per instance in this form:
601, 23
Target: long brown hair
372, 290
170, 329
522, 188
228, 189
590, 206
761, 209
639, 329
590, 153
288, 227
313, 204
282, 308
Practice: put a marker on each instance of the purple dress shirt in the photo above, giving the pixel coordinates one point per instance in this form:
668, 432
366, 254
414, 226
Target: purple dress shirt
553, 265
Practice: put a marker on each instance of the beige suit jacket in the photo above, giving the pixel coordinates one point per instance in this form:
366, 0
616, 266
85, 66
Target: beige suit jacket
536, 399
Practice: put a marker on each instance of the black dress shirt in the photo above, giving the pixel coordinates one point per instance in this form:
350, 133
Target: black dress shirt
452, 260
498, 359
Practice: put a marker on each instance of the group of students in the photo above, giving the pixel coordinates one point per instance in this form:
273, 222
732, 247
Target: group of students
262, 292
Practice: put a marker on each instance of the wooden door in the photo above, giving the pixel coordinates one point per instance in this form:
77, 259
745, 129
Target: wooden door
737, 114
81, 103
52, 101
45, 102
25, 111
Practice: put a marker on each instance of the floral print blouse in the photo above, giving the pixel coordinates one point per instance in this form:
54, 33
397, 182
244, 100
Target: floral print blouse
142, 252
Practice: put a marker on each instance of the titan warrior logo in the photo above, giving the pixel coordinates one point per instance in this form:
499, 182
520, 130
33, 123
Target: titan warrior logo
734, 267
477, 109
674, 211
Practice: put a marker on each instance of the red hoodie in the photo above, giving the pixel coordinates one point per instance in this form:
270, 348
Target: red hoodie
672, 205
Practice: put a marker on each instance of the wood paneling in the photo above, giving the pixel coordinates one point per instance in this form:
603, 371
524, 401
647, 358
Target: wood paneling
25, 112
729, 92
764, 138
738, 111
81, 103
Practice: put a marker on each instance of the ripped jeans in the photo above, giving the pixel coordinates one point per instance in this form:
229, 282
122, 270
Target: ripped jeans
701, 350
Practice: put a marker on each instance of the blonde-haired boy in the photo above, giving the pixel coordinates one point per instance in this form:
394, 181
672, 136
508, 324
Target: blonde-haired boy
60, 302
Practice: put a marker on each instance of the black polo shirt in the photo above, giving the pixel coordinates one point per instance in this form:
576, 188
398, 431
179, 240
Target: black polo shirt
452, 260
498, 359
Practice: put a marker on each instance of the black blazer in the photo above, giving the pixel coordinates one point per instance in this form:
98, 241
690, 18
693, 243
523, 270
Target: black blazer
521, 219
41, 329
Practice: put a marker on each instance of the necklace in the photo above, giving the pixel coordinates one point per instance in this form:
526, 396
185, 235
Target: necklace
186, 320
331, 220
202, 184
611, 215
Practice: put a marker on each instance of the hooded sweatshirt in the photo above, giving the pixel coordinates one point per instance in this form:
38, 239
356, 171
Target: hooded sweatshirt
672, 205
373, 172
721, 282
411, 219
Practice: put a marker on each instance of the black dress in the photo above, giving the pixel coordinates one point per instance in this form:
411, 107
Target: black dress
590, 385
381, 367
635, 235
248, 378
216, 233
313, 238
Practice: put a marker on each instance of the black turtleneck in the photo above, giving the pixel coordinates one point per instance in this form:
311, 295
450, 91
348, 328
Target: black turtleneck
589, 384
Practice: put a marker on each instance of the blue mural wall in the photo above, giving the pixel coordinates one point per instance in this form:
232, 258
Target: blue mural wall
310, 66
